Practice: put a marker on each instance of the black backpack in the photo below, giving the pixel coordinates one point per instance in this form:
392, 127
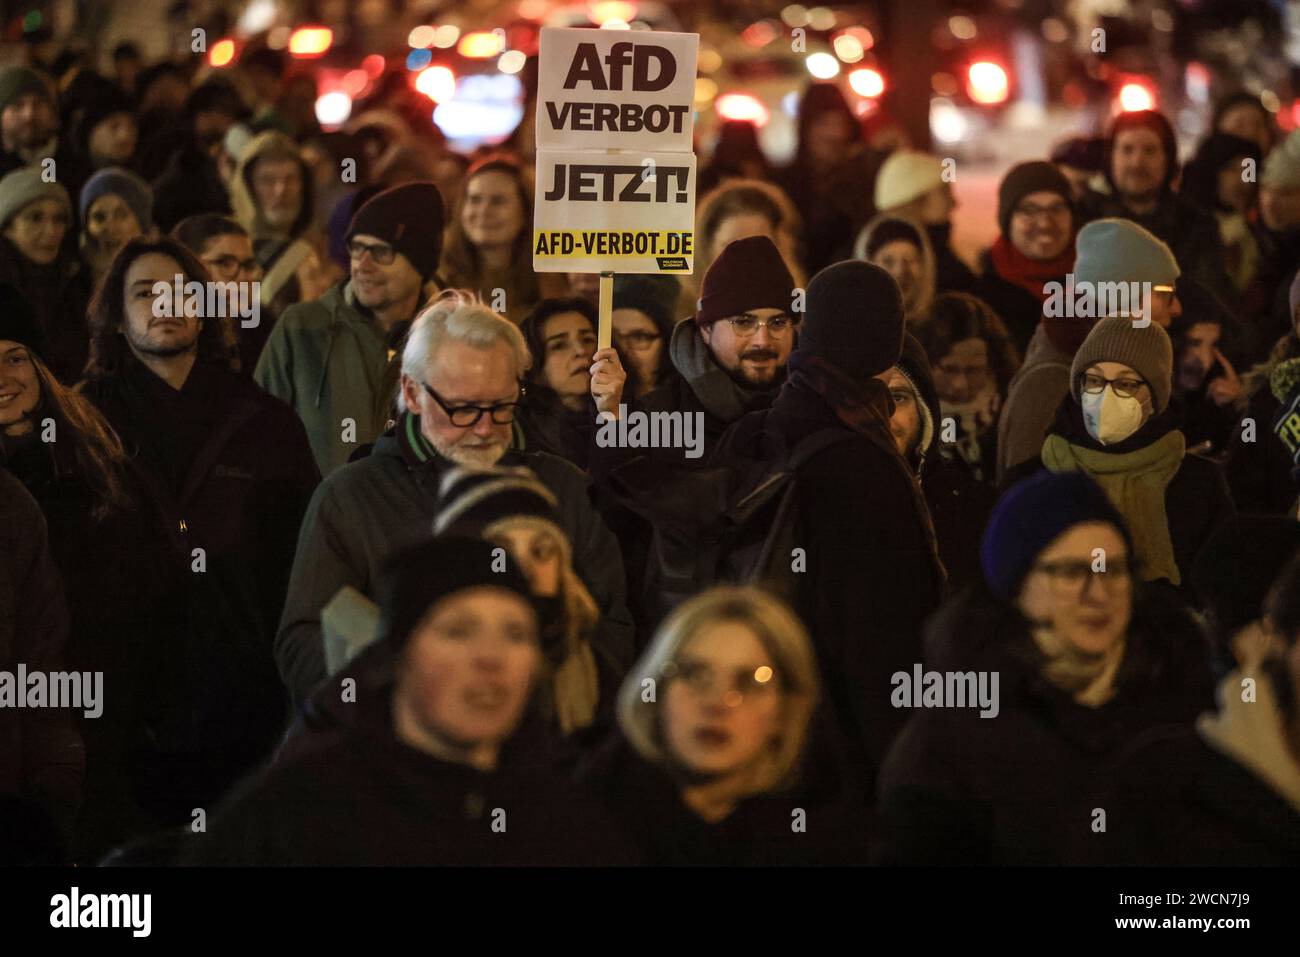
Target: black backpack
732, 523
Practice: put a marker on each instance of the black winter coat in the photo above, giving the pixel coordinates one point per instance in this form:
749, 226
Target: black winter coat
368, 799
240, 499
761, 831
873, 574
41, 754
1021, 787
1259, 470
1178, 801
124, 591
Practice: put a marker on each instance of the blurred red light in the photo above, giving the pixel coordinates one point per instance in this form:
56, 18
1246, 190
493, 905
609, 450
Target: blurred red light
1135, 96
987, 82
374, 65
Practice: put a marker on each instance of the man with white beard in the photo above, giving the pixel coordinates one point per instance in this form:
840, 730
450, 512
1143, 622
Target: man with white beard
460, 383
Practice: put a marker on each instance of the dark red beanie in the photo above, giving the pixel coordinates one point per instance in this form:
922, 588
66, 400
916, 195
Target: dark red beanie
410, 218
748, 274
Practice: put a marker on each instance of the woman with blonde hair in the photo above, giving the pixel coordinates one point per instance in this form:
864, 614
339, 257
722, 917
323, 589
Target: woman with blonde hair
513, 509
713, 721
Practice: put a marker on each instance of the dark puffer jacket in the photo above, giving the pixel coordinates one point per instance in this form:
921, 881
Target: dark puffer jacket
1021, 787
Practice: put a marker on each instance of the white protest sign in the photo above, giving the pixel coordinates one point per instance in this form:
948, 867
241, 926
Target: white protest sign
616, 90
618, 211
615, 168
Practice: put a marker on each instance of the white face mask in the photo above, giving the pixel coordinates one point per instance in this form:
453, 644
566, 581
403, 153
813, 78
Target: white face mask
1112, 418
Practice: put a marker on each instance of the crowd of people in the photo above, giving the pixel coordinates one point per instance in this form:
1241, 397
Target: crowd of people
962, 575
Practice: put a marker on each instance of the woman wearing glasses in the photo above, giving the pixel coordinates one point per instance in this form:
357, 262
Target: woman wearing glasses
644, 315
713, 721
1116, 427
1084, 657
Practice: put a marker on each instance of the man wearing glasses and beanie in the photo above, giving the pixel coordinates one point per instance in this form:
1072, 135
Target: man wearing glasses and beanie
461, 373
731, 355
334, 360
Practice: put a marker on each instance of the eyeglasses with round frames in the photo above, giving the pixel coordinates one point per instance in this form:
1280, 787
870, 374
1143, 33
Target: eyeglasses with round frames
1127, 387
467, 416
746, 325
701, 679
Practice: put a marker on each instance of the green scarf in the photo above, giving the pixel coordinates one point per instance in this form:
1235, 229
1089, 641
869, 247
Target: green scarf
1135, 482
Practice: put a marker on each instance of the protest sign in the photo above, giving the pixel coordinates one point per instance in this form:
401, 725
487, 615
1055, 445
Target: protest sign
615, 172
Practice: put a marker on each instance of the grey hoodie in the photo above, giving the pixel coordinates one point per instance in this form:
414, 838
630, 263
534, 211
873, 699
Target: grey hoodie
704, 385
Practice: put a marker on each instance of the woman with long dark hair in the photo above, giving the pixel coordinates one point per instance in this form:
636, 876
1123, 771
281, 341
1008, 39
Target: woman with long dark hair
108, 545
558, 414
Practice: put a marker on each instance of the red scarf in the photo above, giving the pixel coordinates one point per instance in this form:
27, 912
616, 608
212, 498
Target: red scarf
1030, 274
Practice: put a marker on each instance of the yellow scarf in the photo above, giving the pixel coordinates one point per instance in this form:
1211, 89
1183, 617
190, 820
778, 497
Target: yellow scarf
1135, 482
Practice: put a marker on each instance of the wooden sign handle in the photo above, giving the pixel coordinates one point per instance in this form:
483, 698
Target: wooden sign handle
605, 326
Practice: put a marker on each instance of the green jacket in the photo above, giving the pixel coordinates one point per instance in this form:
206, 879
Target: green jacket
328, 360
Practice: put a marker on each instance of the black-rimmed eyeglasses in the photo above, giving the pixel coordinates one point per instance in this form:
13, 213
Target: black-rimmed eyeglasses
466, 416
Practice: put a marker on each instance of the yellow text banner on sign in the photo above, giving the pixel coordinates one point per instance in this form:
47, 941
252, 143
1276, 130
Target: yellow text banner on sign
624, 211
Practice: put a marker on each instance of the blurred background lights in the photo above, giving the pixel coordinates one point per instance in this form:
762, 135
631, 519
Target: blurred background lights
481, 45
310, 41
222, 52
823, 66
333, 108
848, 48
438, 83
421, 37
988, 82
742, 106
1134, 97
512, 61
867, 82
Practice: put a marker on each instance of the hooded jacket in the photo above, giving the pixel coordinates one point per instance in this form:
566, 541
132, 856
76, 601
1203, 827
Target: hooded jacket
328, 361
1020, 788
929, 270
705, 386
243, 200
364, 512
